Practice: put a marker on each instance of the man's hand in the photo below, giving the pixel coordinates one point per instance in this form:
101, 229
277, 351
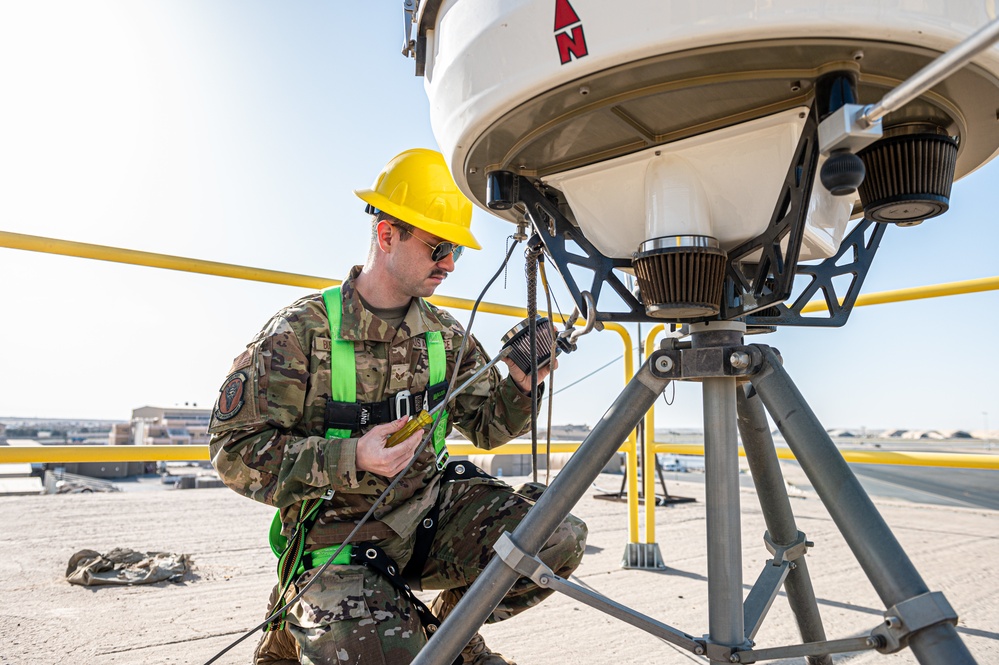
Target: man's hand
523, 379
374, 457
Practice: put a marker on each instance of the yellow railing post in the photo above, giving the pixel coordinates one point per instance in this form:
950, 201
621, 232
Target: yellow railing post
631, 445
649, 451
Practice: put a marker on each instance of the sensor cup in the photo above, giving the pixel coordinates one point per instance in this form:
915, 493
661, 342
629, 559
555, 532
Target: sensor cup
680, 277
518, 340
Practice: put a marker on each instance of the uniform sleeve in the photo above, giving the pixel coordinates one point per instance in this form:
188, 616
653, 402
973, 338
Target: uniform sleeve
258, 443
494, 409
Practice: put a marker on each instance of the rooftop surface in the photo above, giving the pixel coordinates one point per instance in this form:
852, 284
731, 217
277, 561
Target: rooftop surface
45, 619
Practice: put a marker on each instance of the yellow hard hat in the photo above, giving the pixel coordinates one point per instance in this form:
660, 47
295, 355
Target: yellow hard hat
417, 188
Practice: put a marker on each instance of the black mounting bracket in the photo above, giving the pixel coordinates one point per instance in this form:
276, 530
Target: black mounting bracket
769, 279
557, 232
760, 273
863, 249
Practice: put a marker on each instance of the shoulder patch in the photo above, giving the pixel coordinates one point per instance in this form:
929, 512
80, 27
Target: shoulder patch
230, 396
241, 361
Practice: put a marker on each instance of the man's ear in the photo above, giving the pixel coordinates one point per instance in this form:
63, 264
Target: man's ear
385, 236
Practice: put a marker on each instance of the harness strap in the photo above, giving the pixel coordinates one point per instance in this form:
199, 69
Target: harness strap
343, 373
343, 388
427, 529
354, 416
374, 557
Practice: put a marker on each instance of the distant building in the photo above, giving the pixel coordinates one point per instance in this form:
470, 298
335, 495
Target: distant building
120, 434
168, 426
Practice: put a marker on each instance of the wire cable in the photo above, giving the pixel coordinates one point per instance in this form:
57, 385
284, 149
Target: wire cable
395, 481
551, 363
581, 379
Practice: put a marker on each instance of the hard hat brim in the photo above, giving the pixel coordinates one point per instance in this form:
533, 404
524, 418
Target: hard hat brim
450, 232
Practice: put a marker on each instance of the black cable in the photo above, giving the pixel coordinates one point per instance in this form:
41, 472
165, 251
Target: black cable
395, 481
669, 402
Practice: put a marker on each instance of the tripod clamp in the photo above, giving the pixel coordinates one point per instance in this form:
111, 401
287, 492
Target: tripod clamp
535, 569
904, 618
790, 552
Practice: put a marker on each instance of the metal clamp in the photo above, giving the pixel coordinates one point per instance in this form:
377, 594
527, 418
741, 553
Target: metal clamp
910, 616
571, 334
543, 576
843, 130
795, 549
520, 561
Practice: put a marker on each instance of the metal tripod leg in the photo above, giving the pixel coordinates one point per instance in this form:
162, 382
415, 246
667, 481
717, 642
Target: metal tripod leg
541, 522
781, 527
722, 514
884, 561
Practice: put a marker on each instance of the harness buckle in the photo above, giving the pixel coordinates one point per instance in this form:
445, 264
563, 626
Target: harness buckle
402, 405
442, 458
328, 495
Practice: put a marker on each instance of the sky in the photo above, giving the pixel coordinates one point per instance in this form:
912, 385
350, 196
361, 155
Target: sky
236, 131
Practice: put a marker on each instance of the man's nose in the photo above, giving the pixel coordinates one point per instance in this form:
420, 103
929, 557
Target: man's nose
447, 263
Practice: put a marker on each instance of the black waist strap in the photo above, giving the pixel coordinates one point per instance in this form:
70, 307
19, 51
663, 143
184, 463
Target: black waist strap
355, 416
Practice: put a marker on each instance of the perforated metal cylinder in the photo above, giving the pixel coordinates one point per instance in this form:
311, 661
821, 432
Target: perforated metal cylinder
908, 177
681, 279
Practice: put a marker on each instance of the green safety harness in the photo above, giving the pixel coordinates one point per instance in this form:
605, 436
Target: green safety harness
292, 557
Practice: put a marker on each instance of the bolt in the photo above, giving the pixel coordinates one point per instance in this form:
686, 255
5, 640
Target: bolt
872, 642
734, 658
699, 650
544, 580
739, 359
472, 171
584, 90
795, 86
858, 55
664, 364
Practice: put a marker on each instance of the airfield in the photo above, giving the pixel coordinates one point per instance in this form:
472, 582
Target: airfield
44, 618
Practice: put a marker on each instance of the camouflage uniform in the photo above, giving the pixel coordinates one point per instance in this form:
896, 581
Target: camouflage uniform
268, 444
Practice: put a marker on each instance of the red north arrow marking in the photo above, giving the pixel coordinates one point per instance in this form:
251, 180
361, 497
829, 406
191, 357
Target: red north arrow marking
570, 46
565, 15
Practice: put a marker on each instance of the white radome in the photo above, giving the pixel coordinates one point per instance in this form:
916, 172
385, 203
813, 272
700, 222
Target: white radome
625, 106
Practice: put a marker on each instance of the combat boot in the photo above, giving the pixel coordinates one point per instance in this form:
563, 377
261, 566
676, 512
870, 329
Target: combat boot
477, 653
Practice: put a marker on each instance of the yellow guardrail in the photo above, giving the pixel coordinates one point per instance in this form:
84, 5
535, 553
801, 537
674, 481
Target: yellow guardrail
66, 454
166, 261
890, 457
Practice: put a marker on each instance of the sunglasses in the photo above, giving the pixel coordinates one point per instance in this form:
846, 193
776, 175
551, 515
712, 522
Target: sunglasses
440, 250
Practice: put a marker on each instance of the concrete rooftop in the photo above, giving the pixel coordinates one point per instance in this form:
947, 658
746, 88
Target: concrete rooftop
45, 619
